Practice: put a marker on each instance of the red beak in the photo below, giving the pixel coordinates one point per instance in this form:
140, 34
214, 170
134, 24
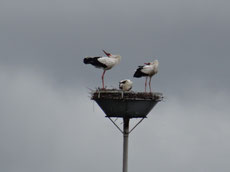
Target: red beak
108, 54
147, 63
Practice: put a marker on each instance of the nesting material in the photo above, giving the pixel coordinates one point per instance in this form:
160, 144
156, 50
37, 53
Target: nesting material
127, 95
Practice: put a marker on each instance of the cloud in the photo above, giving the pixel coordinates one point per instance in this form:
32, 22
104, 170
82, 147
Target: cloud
48, 123
48, 128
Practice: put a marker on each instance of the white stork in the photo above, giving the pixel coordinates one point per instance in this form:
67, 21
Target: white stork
125, 85
104, 63
148, 70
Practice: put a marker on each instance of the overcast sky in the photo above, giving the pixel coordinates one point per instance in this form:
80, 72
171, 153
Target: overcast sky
49, 124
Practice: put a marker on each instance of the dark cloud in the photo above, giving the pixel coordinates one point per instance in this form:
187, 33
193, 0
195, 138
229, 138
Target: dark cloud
46, 122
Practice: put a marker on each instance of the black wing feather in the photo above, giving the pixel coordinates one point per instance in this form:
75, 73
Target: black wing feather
94, 61
139, 73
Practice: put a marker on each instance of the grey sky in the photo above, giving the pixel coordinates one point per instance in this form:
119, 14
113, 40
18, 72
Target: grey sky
48, 123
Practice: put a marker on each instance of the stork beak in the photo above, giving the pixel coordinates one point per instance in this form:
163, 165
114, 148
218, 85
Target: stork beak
147, 63
108, 54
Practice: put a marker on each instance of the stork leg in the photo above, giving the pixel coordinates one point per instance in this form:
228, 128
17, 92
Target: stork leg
150, 84
102, 77
146, 83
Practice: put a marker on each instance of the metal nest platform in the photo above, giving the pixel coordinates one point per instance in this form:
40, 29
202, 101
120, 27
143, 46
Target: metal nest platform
125, 104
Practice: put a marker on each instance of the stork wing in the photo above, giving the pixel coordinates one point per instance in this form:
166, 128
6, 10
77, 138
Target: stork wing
147, 69
109, 62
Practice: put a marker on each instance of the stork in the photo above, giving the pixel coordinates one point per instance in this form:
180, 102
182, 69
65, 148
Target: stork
125, 85
105, 63
147, 70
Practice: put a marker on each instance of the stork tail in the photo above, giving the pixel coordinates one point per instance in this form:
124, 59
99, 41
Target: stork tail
138, 73
88, 60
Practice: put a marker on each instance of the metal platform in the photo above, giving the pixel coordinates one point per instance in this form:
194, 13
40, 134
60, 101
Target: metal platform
121, 104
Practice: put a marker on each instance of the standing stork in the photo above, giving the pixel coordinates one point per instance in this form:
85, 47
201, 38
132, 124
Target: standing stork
104, 63
148, 70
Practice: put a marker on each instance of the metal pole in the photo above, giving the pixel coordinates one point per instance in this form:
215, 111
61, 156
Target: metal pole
125, 144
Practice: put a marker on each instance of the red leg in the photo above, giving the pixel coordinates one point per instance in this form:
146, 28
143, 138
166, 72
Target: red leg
150, 84
102, 77
146, 83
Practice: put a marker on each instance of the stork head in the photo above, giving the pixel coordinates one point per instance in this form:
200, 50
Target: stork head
106, 53
156, 62
117, 57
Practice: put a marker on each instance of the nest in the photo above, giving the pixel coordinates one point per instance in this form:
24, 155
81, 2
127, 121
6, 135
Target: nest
119, 94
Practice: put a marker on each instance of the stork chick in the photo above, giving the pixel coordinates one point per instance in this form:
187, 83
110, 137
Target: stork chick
125, 85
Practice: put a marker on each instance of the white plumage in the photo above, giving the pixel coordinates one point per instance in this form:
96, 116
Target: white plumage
148, 70
125, 85
104, 63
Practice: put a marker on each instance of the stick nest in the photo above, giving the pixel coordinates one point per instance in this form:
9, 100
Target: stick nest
119, 94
